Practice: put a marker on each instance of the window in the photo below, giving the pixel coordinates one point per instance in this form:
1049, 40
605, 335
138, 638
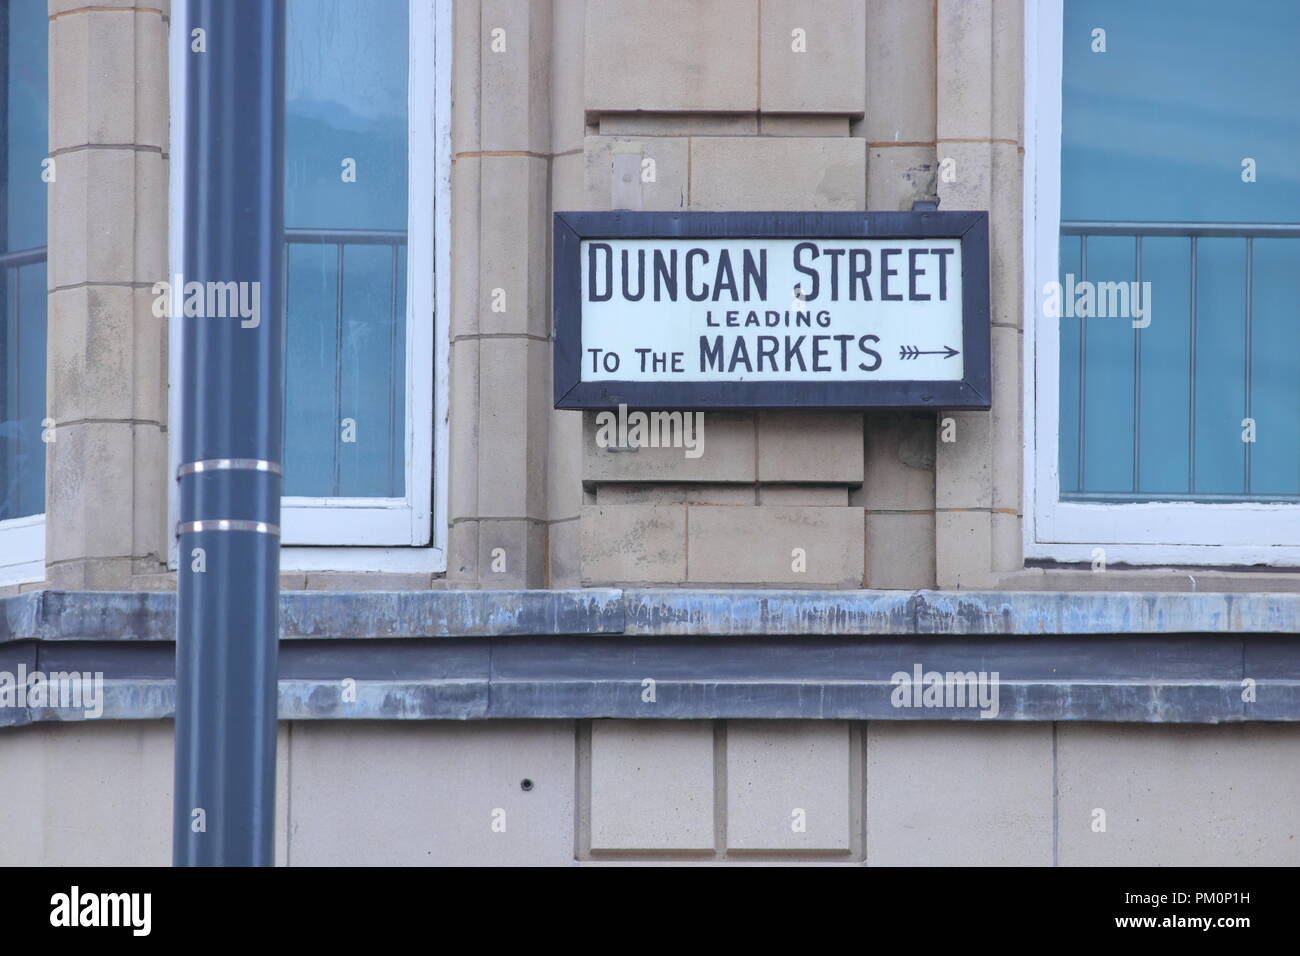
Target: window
24, 98
1164, 262
366, 173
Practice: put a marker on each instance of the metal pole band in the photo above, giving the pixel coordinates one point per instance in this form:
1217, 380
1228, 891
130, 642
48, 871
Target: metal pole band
228, 464
228, 524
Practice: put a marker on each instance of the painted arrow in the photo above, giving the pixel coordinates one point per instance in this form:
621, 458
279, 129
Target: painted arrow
911, 352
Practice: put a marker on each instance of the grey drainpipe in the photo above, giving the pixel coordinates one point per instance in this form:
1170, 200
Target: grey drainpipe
229, 553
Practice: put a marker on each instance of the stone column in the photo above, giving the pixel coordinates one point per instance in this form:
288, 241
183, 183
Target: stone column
106, 488
500, 326
979, 145
899, 127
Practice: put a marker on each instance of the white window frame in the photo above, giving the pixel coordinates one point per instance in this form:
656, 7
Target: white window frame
1190, 533
22, 540
405, 534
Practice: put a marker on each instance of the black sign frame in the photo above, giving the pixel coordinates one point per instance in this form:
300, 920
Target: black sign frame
970, 228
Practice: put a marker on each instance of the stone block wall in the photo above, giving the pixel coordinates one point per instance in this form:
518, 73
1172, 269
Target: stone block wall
591, 105
879, 793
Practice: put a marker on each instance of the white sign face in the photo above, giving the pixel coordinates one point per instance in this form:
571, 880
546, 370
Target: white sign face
771, 310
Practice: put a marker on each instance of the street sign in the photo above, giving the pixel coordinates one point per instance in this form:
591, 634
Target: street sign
771, 310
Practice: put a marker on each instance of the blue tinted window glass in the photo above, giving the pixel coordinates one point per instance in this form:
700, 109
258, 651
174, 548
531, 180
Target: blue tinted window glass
368, 384
23, 139
1157, 126
346, 217
1220, 453
1274, 456
27, 123
397, 387
1108, 349
1165, 374
345, 114
1070, 377
1180, 185
311, 430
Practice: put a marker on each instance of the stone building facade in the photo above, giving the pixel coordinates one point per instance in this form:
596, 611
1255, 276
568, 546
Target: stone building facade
593, 654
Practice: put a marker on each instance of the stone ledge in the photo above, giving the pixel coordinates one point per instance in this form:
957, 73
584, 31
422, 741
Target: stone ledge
50, 615
753, 691
743, 654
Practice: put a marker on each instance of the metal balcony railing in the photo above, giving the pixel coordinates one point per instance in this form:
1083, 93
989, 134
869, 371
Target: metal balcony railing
1192, 232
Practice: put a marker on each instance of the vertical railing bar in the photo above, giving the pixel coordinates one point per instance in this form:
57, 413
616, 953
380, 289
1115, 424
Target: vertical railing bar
1137, 361
1191, 382
6, 404
392, 364
284, 353
1249, 234
11, 294
1083, 360
13, 307
1250, 274
338, 370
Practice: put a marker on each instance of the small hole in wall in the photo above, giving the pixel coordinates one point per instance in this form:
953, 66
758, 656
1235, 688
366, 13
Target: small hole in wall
525, 784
